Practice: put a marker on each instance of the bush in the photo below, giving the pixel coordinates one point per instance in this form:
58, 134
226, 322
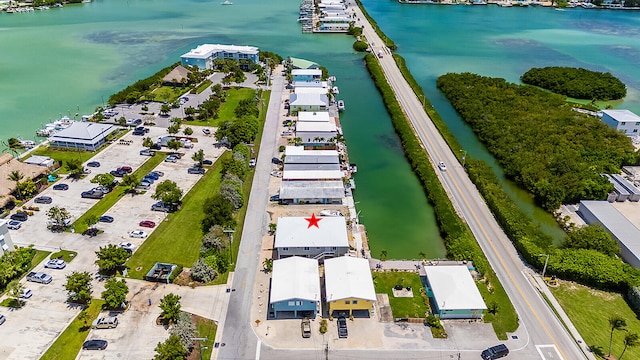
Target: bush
184, 329
176, 273
433, 321
577, 83
323, 326
202, 272
360, 46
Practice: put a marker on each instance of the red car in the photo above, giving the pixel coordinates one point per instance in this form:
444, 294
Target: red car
126, 169
147, 224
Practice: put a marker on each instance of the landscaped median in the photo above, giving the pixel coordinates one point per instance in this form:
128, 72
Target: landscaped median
178, 239
110, 199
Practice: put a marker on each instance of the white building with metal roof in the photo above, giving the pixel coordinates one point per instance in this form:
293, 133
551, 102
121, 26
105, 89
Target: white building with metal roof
295, 288
311, 237
205, 55
314, 132
314, 116
308, 102
82, 136
349, 286
622, 120
627, 234
311, 192
312, 175
454, 292
299, 155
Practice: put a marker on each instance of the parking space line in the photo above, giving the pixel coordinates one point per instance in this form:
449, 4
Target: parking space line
258, 345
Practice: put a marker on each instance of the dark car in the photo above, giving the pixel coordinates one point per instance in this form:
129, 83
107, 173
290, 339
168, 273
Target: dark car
342, 327
275, 197
106, 219
92, 194
147, 224
125, 169
117, 173
93, 164
276, 161
95, 345
156, 146
60, 187
207, 162
196, 170
138, 132
19, 216
43, 200
495, 352
152, 175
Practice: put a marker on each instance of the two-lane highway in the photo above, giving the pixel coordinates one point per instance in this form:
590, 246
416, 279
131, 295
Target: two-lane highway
547, 336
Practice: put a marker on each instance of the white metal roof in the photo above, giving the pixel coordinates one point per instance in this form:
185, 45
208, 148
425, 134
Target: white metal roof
83, 132
294, 232
311, 190
453, 288
295, 278
309, 99
315, 83
316, 166
307, 72
205, 50
312, 175
311, 90
298, 155
315, 126
622, 115
348, 277
320, 116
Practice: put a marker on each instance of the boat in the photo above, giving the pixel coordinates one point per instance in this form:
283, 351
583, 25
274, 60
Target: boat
27, 144
51, 128
328, 212
332, 78
558, 9
335, 90
226, 2
340, 105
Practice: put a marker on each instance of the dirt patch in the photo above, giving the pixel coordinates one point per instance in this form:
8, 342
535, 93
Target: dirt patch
184, 279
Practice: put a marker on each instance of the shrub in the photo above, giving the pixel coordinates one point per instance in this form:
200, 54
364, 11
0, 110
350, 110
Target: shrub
433, 321
323, 326
202, 272
184, 329
176, 273
360, 46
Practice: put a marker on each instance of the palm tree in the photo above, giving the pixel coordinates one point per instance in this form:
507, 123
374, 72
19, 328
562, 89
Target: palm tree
630, 340
12, 146
616, 322
16, 176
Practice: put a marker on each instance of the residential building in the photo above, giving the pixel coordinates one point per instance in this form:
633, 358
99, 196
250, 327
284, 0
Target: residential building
311, 90
308, 102
297, 63
622, 120
314, 116
299, 155
204, 55
315, 132
315, 83
82, 136
311, 192
295, 288
306, 75
455, 294
311, 237
349, 289
5, 238
40, 161
312, 175
627, 234
7, 165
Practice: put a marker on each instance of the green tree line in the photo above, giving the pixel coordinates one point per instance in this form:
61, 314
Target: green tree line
577, 83
133, 92
553, 152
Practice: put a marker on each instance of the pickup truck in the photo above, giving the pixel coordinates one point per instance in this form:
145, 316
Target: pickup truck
39, 277
109, 322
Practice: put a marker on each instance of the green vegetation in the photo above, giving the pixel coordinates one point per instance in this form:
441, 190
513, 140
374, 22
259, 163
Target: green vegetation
203, 86
134, 92
578, 83
166, 94
590, 309
69, 343
458, 239
64, 156
387, 41
402, 307
205, 328
553, 152
110, 199
226, 109
66, 255
177, 239
14, 264
360, 46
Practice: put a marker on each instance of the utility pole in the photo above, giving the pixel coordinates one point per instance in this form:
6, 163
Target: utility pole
544, 269
230, 232
199, 346
464, 157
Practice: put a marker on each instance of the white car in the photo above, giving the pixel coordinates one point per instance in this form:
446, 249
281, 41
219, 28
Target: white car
442, 166
14, 225
137, 234
26, 294
55, 264
127, 246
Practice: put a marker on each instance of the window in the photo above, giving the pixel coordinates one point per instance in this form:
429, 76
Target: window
623, 123
291, 303
285, 249
635, 130
347, 302
334, 248
306, 248
355, 302
637, 123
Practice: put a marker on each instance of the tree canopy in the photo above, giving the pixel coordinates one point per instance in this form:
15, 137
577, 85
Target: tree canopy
111, 258
577, 83
168, 192
555, 153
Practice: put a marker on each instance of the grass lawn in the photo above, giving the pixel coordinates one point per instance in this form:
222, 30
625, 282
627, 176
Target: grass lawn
118, 192
203, 86
66, 255
401, 307
69, 343
505, 319
37, 259
205, 329
226, 112
62, 156
589, 310
168, 93
177, 240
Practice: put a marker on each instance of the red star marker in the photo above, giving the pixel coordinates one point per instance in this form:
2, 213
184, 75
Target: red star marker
313, 221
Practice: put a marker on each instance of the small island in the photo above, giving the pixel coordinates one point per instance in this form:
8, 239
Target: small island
576, 83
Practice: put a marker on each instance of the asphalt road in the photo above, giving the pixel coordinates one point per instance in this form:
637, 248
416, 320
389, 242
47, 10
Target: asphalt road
547, 336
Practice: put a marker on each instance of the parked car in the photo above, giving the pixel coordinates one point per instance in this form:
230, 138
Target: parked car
207, 162
14, 225
92, 194
495, 352
171, 159
26, 294
106, 219
196, 170
109, 322
39, 277
60, 187
206, 131
275, 197
156, 146
147, 152
55, 264
160, 206
175, 154
153, 176
144, 185
187, 144
95, 345
19, 216
2, 319
93, 164
342, 327
442, 166
43, 200
150, 180
147, 224
305, 327
138, 132
125, 169
252, 163
276, 161
127, 246
137, 234
117, 173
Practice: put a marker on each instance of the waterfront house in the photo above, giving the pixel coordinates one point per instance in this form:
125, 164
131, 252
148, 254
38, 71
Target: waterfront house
624, 121
306, 75
315, 132
295, 288
82, 136
311, 192
300, 155
204, 55
9, 164
6, 244
349, 286
314, 116
455, 294
308, 102
297, 63
311, 237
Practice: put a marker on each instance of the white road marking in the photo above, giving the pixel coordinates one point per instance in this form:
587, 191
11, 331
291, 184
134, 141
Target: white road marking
258, 344
552, 356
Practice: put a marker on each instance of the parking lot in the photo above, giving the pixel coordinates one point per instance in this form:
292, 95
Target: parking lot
29, 331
